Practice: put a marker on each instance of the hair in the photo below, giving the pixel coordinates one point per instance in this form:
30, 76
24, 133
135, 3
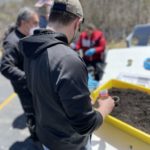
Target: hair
61, 17
24, 14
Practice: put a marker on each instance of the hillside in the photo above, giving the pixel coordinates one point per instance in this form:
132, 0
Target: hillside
115, 17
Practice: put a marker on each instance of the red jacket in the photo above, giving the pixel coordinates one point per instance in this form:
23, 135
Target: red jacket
97, 41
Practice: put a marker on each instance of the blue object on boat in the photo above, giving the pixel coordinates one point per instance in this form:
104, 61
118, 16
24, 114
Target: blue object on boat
147, 64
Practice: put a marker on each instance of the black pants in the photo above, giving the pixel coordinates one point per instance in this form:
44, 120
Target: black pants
96, 68
27, 105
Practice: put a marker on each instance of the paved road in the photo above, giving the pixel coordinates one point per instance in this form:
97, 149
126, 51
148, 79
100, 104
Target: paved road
13, 132
5, 88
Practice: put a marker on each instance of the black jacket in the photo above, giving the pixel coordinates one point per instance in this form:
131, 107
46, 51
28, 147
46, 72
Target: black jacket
12, 62
12, 68
57, 78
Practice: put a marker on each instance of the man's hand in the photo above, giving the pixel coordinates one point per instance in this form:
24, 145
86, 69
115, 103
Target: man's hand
90, 52
106, 106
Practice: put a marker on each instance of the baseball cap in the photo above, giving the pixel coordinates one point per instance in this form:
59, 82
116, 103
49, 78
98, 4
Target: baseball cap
70, 6
40, 3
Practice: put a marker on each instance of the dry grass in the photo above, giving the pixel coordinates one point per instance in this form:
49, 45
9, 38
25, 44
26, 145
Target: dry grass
9, 12
116, 44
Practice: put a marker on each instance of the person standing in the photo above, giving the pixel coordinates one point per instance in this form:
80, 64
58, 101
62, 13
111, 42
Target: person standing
43, 8
57, 79
12, 61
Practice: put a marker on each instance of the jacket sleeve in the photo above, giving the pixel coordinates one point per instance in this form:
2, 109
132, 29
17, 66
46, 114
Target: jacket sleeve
79, 43
75, 97
101, 44
11, 60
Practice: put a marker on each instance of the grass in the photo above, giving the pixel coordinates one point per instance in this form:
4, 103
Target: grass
116, 44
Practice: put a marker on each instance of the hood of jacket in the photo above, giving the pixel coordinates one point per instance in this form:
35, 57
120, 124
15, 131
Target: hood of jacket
34, 45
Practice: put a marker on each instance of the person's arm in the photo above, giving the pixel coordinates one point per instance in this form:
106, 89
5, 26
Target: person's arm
75, 96
48, 9
78, 45
101, 44
11, 60
105, 106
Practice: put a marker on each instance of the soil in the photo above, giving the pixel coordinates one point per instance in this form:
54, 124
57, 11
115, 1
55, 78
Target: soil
133, 108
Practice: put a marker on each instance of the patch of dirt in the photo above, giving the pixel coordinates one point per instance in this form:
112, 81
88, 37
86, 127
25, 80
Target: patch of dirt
133, 108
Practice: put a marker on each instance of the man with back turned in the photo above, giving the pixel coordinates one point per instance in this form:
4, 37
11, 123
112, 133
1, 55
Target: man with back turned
57, 79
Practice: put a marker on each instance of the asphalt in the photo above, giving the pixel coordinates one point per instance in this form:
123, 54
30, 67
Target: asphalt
14, 134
